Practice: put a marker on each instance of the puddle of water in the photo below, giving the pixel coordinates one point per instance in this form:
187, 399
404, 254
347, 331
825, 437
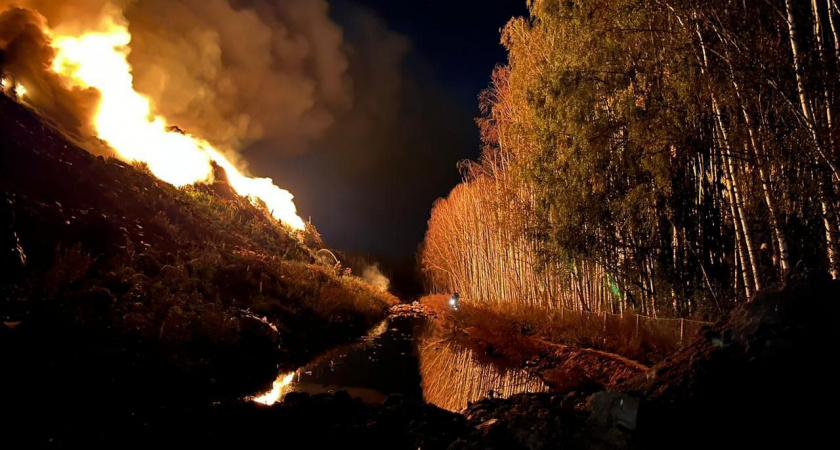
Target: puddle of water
379, 364
404, 356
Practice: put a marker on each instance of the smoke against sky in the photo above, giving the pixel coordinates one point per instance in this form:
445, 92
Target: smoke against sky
235, 72
417, 68
230, 72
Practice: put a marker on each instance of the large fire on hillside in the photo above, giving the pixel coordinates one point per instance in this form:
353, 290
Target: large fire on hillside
125, 120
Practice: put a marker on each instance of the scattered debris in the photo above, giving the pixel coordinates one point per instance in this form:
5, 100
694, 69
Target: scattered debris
414, 309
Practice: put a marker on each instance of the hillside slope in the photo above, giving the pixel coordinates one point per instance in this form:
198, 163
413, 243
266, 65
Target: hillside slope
102, 261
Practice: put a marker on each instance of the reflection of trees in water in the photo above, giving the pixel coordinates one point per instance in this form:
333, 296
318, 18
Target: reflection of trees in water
453, 375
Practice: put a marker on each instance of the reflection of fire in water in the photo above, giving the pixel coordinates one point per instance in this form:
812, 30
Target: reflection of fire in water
453, 376
278, 390
299, 380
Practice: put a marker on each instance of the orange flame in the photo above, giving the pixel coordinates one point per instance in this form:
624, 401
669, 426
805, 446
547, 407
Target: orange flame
20, 89
125, 120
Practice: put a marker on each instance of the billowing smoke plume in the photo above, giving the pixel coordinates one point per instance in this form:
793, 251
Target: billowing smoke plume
230, 71
291, 75
275, 69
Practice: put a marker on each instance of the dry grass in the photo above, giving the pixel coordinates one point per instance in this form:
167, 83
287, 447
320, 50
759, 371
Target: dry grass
638, 338
332, 296
109, 247
203, 299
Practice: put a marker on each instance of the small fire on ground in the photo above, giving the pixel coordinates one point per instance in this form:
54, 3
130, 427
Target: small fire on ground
19, 89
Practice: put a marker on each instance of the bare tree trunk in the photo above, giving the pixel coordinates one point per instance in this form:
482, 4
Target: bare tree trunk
738, 205
794, 47
729, 180
736, 221
804, 101
783, 254
833, 31
832, 238
808, 114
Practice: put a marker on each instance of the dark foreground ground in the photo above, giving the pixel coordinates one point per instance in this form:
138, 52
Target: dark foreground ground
135, 315
122, 297
760, 379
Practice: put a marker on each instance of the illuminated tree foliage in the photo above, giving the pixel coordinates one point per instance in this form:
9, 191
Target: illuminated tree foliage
670, 157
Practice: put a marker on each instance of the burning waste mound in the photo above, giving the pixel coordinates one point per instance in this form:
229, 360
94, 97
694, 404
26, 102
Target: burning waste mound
169, 246
71, 64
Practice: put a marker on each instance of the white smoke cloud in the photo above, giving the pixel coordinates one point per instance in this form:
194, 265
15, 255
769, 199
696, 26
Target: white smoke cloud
373, 276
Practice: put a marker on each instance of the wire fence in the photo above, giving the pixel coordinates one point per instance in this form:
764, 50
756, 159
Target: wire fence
641, 338
638, 337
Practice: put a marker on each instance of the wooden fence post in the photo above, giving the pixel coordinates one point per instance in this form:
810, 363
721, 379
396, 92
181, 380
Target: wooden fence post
605, 321
682, 330
637, 324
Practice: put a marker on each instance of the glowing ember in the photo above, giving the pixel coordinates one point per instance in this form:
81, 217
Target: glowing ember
21, 90
277, 390
125, 120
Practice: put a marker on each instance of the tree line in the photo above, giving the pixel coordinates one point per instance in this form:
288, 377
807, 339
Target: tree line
670, 157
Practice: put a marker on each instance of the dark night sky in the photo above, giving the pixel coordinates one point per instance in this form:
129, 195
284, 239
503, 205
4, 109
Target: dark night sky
372, 190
